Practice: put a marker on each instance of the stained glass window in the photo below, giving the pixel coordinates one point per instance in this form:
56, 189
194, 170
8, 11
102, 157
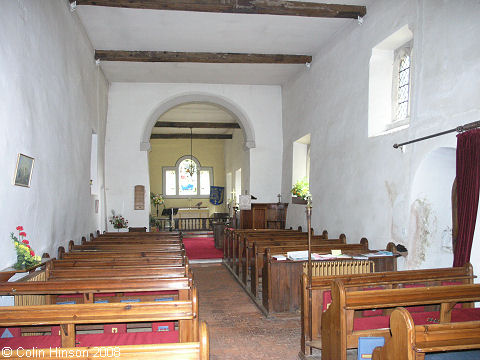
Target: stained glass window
187, 178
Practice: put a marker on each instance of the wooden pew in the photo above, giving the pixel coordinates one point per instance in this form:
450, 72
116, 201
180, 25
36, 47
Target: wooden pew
79, 255
264, 251
173, 351
102, 272
127, 247
253, 249
116, 262
246, 240
232, 237
281, 280
91, 289
391, 279
338, 322
410, 341
67, 316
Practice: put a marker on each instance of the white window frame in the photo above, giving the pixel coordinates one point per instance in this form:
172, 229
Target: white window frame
177, 184
383, 83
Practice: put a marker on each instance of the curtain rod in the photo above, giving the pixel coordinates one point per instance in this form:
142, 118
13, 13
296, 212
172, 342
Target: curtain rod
461, 128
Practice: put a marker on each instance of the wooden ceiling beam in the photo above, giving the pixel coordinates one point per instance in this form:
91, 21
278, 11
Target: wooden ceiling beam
194, 136
198, 125
265, 7
200, 57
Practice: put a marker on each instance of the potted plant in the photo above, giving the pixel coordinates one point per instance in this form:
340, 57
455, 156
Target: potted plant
118, 221
26, 257
300, 192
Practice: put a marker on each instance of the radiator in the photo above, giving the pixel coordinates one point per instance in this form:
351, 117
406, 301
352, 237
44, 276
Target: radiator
340, 267
27, 300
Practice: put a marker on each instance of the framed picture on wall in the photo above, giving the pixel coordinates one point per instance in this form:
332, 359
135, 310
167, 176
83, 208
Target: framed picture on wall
23, 170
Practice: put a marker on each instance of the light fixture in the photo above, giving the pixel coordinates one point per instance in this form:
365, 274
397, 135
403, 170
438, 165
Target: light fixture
191, 168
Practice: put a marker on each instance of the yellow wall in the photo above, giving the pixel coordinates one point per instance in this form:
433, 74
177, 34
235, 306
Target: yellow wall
166, 152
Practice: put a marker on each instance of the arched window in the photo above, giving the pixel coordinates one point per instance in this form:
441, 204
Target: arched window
187, 179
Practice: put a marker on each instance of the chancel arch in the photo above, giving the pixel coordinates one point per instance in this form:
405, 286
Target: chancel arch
209, 135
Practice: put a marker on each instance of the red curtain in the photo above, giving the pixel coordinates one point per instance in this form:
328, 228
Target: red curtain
468, 184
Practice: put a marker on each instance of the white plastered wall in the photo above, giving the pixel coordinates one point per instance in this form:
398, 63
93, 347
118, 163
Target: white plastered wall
132, 107
53, 97
360, 185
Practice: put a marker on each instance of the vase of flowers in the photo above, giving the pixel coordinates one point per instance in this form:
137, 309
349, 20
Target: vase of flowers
157, 200
300, 191
26, 257
118, 221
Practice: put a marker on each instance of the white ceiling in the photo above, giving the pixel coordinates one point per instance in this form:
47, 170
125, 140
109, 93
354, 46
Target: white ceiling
159, 30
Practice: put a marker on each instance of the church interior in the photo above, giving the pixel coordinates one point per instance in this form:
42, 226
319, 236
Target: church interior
177, 155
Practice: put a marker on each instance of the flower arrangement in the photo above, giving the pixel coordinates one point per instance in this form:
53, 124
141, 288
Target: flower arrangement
301, 189
118, 221
157, 200
26, 257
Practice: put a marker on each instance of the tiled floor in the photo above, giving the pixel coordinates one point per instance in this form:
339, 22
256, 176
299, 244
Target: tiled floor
238, 330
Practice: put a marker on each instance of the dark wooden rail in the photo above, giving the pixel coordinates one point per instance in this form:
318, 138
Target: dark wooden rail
185, 224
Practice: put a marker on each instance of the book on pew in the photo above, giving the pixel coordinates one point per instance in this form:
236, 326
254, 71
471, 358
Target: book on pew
279, 257
379, 253
297, 255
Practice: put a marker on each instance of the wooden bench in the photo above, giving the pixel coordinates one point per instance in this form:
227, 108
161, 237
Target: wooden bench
341, 330
173, 351
116, 262
391, 279
232, 238
281, 280
244, 243
93, 289
89, 255
264, 251
253, 249
410, 341
68, 316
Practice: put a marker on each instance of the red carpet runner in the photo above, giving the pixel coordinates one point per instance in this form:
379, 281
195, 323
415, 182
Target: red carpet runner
201, 248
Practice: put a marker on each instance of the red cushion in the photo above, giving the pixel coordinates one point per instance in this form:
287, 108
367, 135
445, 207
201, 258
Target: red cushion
115, 328
30, 342
134, 338
104, 294
371, 322
426, 317
55, 330
446, 283
459, 315
327, 299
